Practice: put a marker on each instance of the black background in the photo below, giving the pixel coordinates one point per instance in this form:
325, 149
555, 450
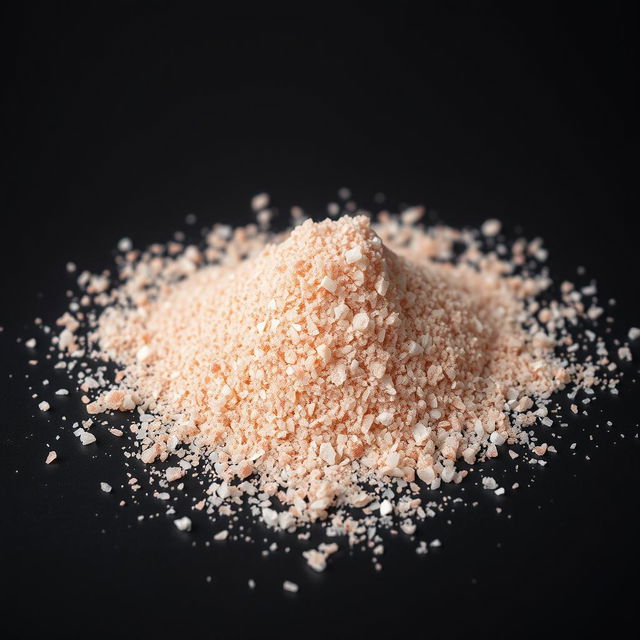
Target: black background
121, 118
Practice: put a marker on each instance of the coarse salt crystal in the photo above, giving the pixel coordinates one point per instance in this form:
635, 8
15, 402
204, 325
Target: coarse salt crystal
386, 508
44, 406
327, 453
87, 438
353, 255
385, 418
361, 321
420, 433
329, 284
105, 487
324, 352
51, 457
183, 524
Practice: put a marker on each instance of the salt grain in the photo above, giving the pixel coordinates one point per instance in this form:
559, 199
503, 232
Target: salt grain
183, 524
289, 586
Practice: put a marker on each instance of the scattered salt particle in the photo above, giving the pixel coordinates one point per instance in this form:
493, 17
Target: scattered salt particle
260, 201
491, 227
251, 583
315, 559
289, 586
489, 483
572, 446
624, 353
125, 245
422, 548
513, 454
634, 333
174, 473
51, 457
44, 406
183, 524
62, 392
497, 438
87, 438
31, 343
385, 418
270, 517
435, 543
386, 508
412, 215
221, 535
499, 491
105, 487
408, 527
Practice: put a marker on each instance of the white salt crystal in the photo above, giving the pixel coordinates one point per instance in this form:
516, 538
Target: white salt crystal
87, 438
386, 508
329, 284
491, 227
353, 255
183, 524
260, 201
327, 453
289, 586
143, 354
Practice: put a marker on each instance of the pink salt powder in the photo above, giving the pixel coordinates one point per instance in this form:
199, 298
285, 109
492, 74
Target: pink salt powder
322, 366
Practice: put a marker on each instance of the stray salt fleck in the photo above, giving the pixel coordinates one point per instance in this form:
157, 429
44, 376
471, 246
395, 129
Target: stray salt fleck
183, 524
289, 586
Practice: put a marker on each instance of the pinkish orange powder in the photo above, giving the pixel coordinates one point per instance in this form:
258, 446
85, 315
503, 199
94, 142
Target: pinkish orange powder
307, 372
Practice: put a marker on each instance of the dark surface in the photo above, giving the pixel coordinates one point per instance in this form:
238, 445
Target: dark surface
123, 117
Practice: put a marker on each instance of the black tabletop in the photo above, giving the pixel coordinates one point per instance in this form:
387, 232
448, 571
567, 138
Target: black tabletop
121, 118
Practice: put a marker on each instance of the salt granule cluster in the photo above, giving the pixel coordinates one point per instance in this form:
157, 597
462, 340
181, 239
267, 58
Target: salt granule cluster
332, 372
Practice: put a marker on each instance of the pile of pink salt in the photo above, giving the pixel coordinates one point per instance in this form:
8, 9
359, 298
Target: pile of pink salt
307, 373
